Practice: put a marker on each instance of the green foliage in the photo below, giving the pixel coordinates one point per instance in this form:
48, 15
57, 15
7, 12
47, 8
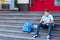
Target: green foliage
16, 5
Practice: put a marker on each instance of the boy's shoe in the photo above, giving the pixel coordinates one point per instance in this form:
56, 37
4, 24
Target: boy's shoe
35, 36
48, 37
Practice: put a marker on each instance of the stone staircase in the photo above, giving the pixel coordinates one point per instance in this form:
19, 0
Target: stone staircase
11, 23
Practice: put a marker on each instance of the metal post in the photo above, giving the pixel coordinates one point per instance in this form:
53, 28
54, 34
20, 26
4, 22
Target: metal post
12, 5
0, 5
30, 3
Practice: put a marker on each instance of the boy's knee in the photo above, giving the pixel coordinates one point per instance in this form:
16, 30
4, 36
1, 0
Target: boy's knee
39, 25
51, 25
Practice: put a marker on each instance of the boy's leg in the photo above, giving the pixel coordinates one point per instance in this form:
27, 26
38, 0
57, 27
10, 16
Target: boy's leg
37, 30
50, 27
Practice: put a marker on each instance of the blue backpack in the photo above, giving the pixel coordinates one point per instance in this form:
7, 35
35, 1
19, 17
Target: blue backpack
27, 27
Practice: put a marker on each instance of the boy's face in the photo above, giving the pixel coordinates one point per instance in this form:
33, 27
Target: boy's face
46, 13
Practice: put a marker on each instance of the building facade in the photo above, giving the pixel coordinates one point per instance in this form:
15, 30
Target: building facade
30, 5
40, 5
7, 4
23, 5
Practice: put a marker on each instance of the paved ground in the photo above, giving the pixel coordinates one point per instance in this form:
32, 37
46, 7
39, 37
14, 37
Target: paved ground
1, 38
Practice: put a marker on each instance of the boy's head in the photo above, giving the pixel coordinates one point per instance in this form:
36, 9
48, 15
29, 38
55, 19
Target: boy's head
46, 12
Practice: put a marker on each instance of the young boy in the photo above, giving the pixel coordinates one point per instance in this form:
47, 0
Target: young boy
47, 20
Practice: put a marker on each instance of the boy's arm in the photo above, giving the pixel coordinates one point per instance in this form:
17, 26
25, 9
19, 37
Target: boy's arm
41, 20
50, 22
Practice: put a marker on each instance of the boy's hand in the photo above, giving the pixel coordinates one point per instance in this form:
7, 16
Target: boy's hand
43, 23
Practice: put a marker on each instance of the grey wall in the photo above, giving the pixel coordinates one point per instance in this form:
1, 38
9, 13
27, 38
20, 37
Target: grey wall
23, 7
5, 6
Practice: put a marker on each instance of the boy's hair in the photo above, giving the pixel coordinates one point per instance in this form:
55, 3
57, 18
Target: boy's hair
46, 10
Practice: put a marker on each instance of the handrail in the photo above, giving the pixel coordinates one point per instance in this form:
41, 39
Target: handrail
30, 3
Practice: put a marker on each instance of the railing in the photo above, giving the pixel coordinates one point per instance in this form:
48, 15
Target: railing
30, 3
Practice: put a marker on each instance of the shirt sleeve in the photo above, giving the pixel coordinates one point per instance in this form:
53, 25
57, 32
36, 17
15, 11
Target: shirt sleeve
42, 18
51, 17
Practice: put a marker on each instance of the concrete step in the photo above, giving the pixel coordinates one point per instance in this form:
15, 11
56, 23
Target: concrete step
26, 18
20, 17
21, 23
23, 20
10, 38
15, 34
27, 13
23, 12
11, 24
17, 30
24, 34
17, 27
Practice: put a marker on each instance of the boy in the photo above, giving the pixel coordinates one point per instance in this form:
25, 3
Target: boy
47, 20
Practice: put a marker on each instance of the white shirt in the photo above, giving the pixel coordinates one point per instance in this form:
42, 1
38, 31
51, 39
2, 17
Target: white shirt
48, 18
